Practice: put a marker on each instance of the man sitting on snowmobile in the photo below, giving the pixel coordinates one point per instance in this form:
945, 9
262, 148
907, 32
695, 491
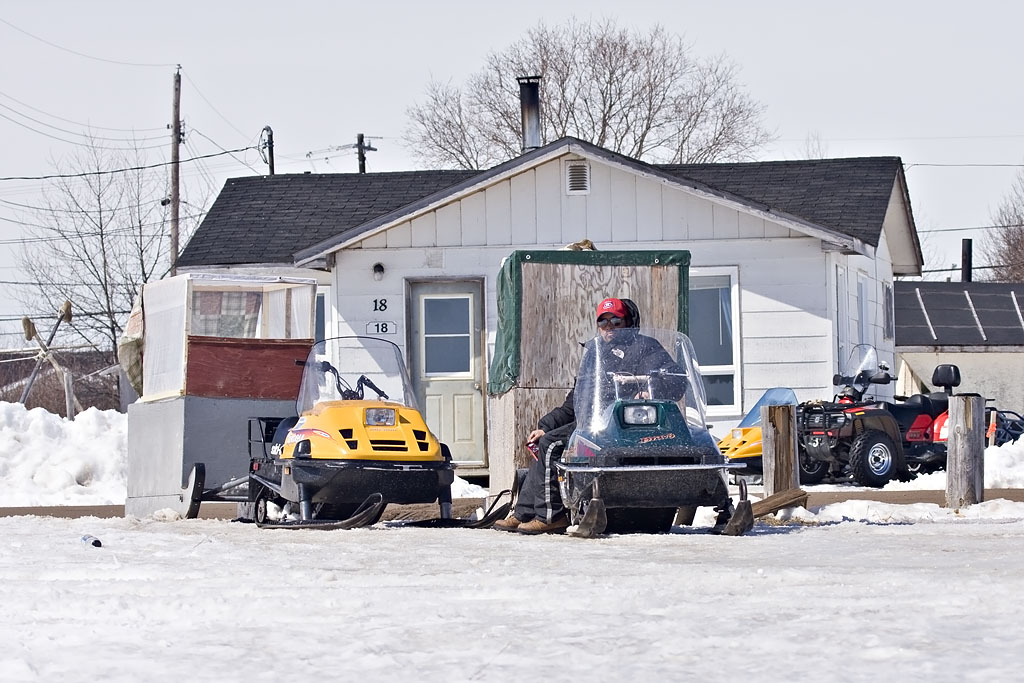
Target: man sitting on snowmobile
620, 348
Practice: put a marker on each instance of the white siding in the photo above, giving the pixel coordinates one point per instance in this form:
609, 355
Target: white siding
787, 294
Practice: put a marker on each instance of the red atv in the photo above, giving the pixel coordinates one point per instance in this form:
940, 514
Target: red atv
874, 441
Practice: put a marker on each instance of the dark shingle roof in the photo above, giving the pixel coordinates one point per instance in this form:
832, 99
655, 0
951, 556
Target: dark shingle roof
848, 195
959, 314
266, 219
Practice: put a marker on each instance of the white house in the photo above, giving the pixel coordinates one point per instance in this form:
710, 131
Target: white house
792, 262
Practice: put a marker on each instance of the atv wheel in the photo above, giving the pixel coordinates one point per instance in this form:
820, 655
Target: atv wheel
872, 458
812, 471
640, 520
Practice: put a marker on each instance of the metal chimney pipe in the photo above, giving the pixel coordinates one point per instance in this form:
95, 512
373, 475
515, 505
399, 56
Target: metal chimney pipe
529, 101
966, 257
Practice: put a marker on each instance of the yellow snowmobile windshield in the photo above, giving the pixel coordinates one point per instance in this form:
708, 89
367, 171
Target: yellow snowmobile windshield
354, 369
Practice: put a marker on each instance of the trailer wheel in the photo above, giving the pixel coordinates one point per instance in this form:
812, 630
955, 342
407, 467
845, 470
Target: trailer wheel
259, 507
872, 458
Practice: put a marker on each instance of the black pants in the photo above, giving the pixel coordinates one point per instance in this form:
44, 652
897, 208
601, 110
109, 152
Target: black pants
539, 497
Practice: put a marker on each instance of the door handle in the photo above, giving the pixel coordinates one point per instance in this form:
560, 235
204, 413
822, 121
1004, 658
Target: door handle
476, 386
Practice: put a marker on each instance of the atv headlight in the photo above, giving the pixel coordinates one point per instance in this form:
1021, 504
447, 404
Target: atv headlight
640, 415
380, 417
837, 420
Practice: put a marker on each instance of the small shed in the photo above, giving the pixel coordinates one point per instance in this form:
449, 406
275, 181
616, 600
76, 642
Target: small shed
546, 309
217, 350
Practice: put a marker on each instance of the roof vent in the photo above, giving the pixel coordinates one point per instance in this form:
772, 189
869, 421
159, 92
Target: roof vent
577, 177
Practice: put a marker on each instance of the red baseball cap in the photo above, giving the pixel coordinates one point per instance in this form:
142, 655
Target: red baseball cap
613, 306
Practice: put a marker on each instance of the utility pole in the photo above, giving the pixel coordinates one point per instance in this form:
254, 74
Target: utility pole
362, 149
175, 144
270, 147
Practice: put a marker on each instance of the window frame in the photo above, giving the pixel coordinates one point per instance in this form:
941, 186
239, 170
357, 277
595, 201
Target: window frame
735, 368
422, 341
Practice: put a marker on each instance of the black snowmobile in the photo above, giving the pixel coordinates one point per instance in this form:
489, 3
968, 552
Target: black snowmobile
642, 451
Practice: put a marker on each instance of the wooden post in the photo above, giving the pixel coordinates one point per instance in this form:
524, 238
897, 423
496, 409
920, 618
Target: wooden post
778, 449
175, 145
965, 460
69, 394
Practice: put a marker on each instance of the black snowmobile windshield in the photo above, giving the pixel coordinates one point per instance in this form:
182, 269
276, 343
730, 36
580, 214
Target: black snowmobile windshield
776, 396
347, 368
645, 363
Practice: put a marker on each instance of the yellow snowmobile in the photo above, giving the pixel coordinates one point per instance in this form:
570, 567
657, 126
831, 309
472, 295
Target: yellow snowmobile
743, 444
346, 456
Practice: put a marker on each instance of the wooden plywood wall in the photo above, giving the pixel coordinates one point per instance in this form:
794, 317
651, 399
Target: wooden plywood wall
559, 312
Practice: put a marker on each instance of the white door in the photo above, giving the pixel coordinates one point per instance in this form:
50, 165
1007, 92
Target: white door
446, 364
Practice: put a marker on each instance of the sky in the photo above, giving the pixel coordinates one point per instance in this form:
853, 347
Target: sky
930, 82
853, 591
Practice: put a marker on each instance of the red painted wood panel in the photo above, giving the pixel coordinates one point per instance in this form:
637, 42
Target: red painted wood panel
222, 367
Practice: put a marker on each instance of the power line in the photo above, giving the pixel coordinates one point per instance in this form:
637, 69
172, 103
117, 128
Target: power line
907, 167
241, 161
81, 54
955, 268
124, 170
82, 125
76, 142
112, 231
72, 211
974, 227
210, 105
72, 132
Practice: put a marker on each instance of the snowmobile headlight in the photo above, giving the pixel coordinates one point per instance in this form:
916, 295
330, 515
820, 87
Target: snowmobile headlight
640, 415
303, 449
380, 417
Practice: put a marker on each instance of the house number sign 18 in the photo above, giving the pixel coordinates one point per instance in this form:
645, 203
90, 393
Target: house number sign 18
381, 327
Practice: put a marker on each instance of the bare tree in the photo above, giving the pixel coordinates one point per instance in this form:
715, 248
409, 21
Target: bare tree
643, 95
1002, 249
101, 233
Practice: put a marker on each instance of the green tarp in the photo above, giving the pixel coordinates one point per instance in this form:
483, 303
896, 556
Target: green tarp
504, 370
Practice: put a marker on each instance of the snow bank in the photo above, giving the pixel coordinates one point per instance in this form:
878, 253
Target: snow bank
47, 460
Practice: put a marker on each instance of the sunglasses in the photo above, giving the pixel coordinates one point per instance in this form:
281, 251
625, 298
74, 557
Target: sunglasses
605, 323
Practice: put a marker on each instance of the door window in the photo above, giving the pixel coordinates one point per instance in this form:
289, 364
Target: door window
447, 343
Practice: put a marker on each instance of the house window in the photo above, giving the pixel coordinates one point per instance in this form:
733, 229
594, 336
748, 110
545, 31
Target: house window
889, 325
714, 331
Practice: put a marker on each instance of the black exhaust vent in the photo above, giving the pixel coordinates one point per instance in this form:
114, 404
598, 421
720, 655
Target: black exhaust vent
389, 445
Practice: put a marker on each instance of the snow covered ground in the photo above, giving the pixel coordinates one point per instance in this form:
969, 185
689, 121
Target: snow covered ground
853, 591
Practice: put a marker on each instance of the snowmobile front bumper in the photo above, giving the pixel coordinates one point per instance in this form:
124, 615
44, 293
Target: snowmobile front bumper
349, 482
647, 486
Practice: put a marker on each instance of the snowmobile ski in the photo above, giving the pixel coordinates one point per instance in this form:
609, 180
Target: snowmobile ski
593, 523
742, 518
495, 512
368, 512
194, 490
